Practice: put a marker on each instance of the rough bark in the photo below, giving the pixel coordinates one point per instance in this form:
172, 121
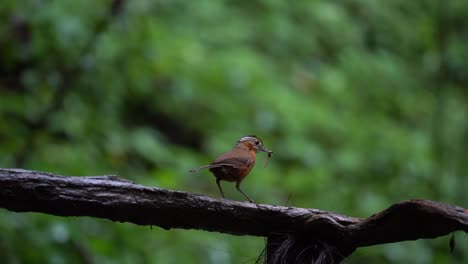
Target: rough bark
120, 200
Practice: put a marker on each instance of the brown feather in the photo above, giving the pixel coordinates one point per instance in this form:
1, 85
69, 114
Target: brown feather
237, 164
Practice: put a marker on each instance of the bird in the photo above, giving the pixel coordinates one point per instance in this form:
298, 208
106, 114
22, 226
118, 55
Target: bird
235, 165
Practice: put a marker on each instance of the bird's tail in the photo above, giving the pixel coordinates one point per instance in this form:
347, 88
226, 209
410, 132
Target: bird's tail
200, 168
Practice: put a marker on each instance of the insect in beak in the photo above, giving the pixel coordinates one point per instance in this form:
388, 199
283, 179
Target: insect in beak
269, 155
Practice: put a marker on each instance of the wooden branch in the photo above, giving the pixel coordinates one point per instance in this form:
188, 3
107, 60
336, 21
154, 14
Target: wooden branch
120, 200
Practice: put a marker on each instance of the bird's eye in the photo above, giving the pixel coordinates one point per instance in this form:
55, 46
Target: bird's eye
257, 142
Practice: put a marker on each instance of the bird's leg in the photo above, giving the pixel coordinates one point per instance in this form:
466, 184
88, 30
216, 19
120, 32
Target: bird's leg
238, 188
219, 186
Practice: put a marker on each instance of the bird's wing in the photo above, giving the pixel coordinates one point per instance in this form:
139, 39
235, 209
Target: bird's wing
230, 162
235, 156
209, 166
238, 162
234, 162
240, 159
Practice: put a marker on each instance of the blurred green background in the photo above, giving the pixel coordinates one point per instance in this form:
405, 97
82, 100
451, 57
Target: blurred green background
364, 103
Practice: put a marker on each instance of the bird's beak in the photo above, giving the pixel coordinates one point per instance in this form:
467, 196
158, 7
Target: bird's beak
266, 150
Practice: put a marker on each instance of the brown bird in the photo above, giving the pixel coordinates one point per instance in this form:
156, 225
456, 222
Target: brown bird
235, 165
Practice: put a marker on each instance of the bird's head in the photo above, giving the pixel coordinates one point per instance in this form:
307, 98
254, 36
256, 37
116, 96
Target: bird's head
253, 142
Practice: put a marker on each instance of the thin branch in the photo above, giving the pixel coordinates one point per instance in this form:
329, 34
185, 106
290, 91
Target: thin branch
120, 200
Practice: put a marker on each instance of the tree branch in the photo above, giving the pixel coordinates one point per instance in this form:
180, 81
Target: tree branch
120, 200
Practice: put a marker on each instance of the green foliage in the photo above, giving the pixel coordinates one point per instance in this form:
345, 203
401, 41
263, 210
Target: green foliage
363, 102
